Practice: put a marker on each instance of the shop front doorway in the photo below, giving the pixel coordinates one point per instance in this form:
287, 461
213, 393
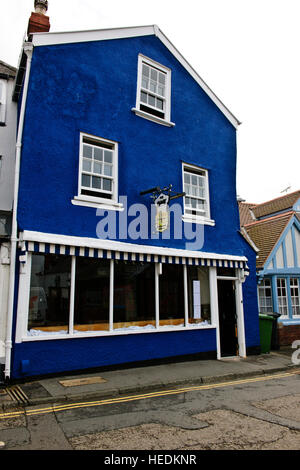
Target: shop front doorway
227, 318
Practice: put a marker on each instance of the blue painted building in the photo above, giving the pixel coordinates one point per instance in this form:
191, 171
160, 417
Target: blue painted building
274, 227
105, 273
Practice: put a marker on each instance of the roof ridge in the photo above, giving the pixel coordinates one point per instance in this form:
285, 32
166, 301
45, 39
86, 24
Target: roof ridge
267, 219
276, 198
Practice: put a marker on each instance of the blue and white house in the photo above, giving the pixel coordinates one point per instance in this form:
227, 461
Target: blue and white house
106, 274
274, 227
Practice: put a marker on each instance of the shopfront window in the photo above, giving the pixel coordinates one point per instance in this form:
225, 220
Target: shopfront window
171, 295
134, 295
91, 312
198, 295
72, 295
49, 300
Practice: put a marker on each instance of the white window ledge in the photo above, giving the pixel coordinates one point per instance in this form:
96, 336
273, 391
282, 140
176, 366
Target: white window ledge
198, 220
153, 118
166, 329
97, 203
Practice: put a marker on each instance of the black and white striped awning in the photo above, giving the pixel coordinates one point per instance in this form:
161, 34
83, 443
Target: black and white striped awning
198, 258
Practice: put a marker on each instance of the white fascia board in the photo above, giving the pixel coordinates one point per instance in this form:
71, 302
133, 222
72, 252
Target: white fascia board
99, 244
48, 39
68, 37
234, 121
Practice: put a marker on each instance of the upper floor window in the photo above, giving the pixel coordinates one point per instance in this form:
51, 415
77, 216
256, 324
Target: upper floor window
2, 101
196, 188
153, 99
98, 172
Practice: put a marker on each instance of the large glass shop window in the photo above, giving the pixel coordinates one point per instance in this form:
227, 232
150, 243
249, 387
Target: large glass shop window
49, 300
171, 295
91, 310
134, 295
198, 295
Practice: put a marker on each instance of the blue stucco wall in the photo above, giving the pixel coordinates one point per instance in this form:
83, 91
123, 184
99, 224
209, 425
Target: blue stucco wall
91, 87
40, 357
250, 303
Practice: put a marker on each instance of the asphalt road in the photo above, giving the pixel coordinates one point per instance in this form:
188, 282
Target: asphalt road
260, 413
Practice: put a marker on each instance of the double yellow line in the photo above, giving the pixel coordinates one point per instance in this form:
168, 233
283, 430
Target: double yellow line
162, 393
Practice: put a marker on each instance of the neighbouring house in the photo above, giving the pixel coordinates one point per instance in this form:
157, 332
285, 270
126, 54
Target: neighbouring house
129, 245
8, 119
274, 227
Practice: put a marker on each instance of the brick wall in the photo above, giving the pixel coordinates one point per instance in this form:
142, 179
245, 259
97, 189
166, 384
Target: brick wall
287, 334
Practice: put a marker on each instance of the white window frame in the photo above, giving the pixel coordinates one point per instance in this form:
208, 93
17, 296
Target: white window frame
95, 201
295, 299
166, 120
205, 219
262, 296
3, 100
280, 298
24, 294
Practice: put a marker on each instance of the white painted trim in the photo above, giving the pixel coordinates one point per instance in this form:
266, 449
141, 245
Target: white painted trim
23, 299
99, 244
91, 334
72, 295
198, 220
68, 37
142, 59
153, 118
46, 39
186, 296
85, 201
111, 294
240, 318
214, 305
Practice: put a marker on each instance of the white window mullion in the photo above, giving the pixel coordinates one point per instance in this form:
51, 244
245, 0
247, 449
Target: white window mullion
72, 295
111, 295
157, 274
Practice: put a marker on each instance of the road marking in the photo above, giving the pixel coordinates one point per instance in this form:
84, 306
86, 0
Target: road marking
162, 393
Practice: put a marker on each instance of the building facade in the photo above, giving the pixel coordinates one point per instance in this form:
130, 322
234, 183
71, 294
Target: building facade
274, 227
129, 243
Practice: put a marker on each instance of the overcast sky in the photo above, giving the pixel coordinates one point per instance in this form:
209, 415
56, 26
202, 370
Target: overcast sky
247, 51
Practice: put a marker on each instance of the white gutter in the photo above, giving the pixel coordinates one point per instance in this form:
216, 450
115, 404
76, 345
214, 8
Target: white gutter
28, 48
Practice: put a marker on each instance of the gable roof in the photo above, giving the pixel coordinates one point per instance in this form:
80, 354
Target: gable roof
276, 205
245, 214
266, 233
53, 38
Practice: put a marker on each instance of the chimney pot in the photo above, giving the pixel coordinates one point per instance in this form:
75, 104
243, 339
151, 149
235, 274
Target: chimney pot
41, 6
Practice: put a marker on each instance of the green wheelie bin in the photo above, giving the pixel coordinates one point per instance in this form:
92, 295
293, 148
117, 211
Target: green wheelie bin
265, 330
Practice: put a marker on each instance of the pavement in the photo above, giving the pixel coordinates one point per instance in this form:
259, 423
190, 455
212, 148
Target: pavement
107, 384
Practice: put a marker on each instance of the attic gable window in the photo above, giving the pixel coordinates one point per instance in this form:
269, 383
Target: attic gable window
153, 100
98, 173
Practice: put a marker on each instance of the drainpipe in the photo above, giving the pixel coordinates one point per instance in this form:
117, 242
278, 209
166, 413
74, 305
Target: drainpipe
28, 48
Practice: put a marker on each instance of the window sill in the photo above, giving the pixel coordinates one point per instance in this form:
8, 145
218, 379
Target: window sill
150, 117
90, 334
97, 203
198, 220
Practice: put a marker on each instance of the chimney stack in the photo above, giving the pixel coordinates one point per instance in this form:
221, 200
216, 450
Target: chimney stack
39, 22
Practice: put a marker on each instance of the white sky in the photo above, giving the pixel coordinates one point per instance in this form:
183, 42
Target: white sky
247, 51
